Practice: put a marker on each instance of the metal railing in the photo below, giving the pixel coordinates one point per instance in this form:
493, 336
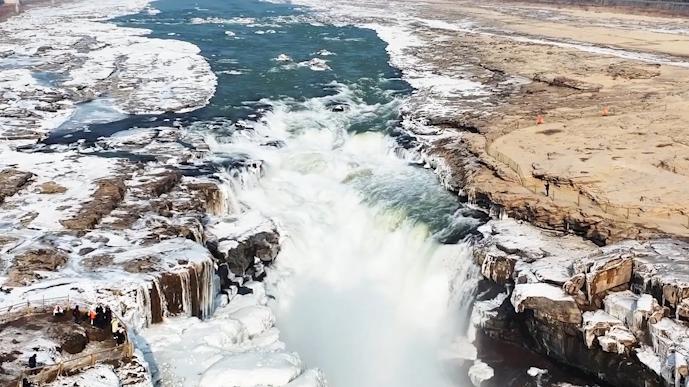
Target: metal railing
39, 305
679, 217
50, 372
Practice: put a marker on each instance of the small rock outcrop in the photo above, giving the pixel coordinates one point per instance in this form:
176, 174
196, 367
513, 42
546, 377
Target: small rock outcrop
243, 247
11, 181
51, 187
27, 266
109, 193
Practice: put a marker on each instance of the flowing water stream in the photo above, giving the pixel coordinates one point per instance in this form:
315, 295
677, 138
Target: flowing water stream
363, 289
369, 283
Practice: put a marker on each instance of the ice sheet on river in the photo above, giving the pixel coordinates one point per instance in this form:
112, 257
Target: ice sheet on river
239, 346
82, 57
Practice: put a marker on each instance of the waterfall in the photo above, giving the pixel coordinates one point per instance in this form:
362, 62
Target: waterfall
359, 272
463, 290
227, 202
209, 292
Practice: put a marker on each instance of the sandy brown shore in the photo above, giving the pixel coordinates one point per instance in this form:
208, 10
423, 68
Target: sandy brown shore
612, 142
612, 89
669, 8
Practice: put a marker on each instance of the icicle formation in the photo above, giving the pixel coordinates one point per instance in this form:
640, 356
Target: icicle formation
189, 291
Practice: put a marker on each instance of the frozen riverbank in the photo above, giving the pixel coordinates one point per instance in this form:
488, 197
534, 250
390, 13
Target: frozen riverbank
233, 189
116, 203
55, 57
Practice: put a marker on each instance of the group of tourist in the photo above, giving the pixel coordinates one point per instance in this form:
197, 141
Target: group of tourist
98, 316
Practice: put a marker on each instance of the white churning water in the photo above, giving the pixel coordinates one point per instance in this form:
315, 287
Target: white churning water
362, 291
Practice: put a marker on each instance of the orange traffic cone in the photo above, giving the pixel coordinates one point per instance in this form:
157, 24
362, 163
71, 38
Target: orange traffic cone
539, 120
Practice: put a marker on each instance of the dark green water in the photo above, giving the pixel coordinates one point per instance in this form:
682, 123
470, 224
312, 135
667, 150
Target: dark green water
245, 62
242, 40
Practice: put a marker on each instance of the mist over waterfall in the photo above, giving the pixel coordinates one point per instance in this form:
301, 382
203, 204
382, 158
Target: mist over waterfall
363, 289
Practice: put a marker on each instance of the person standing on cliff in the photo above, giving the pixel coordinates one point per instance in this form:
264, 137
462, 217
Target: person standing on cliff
92, 315
107, 315
547, 188
120, 336
32, 361
57, 311
76, 314
114, 326
100, 316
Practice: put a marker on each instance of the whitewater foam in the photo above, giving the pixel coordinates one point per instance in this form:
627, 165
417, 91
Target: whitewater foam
353, 277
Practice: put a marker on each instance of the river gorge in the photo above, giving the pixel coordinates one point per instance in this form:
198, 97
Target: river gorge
321, 194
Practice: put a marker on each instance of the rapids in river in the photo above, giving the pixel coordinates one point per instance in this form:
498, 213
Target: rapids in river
372, 284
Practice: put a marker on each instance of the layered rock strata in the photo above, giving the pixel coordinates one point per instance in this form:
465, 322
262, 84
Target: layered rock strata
615, 312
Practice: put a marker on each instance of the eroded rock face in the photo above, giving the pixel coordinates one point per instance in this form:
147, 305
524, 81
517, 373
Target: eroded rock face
618, 316
605, 272
244, 244
565, 343
209, 196
574, 285
547, 301
516, 252
611, 334
187, 290
463, 166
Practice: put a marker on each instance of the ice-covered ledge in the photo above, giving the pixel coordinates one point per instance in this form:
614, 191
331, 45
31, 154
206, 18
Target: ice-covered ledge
598, 306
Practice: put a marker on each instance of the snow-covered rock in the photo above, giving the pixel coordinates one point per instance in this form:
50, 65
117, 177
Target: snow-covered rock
238, 346
253, 369
516, 251
98, 376
480, 373
547, 301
